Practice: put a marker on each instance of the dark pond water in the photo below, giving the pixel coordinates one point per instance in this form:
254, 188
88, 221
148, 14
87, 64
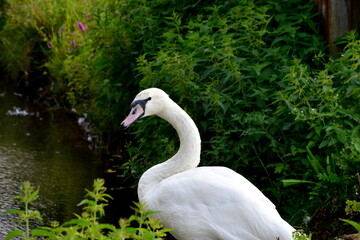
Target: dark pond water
47, 148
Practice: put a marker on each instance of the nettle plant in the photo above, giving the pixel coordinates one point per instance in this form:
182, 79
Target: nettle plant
220, 68
88, 224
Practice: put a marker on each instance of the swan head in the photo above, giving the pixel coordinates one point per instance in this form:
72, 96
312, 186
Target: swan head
148, 102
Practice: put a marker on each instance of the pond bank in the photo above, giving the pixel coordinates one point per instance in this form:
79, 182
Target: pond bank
47, 147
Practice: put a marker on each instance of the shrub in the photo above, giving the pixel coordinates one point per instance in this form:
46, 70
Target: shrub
266, 98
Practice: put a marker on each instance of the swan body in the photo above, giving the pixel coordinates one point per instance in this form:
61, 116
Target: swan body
201, 203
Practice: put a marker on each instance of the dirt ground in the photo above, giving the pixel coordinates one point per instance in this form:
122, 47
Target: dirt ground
326, 223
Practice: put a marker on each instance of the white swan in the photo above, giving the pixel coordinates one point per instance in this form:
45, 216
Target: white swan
201, 203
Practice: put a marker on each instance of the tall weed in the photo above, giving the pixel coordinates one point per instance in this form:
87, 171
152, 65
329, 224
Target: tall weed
88, 225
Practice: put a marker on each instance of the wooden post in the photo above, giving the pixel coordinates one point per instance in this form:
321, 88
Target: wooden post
340, 17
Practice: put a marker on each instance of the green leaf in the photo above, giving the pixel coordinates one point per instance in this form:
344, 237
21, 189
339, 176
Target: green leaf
108, 226
352, 223
42, 232
87, 201
80, 222
356, 143
165, 230
34, 195
290, 182
314, 162
148, 235
131, 230
14, 211
13, 234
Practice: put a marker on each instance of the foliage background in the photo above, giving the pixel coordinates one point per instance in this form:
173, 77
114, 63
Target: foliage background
254, 75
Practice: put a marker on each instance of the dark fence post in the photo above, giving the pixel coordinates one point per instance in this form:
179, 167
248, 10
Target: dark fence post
340, 17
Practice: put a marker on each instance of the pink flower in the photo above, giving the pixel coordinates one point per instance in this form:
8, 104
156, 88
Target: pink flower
81, 26
49, 45
73, 43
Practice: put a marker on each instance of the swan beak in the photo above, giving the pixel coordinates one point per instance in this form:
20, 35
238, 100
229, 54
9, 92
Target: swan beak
136, 112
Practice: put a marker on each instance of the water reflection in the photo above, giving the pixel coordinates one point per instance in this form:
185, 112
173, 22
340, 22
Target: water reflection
45, 148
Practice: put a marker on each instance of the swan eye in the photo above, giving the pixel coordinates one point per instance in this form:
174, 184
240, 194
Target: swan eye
149, 98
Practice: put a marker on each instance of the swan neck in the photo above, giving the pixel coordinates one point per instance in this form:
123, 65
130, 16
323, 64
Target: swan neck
187, 157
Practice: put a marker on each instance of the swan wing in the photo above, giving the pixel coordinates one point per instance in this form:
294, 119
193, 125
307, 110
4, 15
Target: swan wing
216, 203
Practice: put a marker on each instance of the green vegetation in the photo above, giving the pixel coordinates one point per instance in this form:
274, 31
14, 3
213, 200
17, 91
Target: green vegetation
352, 207
254, 75
87, 225
27, 197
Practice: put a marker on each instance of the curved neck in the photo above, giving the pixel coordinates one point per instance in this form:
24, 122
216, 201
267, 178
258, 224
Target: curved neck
188, 155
